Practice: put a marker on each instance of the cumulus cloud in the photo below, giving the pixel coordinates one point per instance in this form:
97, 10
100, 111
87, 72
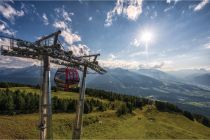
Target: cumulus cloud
63, 22
9, 12
131, 9
79, 50
60, 24
67, 34
4, 42
201, 5
4, 28
45, 19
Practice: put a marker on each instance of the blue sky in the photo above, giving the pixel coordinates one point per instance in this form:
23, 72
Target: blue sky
167, 35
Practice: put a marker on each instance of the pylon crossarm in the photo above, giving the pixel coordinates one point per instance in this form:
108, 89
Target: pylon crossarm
40, 47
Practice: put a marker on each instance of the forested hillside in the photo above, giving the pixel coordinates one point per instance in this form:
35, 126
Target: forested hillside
22, 102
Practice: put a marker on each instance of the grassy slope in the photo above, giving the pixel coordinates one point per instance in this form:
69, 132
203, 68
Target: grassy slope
146, 123
142, 124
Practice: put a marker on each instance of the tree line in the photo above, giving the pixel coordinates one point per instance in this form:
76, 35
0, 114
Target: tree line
15, 102
132, 102
21, 102
10, 84
167, 107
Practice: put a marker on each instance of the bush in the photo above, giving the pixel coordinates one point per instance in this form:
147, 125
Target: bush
122, 110
165, 106
202, 119
102, 108
188, 115
87, 108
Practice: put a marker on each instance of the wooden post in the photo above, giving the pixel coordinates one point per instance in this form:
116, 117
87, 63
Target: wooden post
77, 128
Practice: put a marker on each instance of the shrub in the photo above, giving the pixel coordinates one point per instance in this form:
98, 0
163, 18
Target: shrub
188, 115
122, 110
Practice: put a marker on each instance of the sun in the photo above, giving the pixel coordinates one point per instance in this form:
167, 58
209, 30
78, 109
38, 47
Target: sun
147, 36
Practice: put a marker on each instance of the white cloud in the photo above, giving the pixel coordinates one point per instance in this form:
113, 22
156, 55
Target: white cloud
168, 8
17, 62
45, 19
60, 24
119, 64
62, 13
9, 12
63, 22
172, 6
126, 64
79, 50
4, 42
112, 56
169, 1
131, 9
192, 6
70, 37
201, 5
5, 29
14, 62
207, 45
66, 33
66, 15
90, 18
159, 66
154, 65
134, 10
29, 9
135, 43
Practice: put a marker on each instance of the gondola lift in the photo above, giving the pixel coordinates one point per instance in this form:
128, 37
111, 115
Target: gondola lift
66, 78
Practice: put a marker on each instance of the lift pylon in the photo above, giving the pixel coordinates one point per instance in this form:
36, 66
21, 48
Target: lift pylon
45, 102
50, 50
80, 108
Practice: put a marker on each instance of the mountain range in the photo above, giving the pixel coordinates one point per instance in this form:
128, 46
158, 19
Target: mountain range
190, 90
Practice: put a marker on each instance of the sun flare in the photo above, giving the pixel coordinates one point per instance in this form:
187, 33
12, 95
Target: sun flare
147, 36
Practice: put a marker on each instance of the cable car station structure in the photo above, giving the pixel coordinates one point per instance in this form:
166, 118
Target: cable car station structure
49, 49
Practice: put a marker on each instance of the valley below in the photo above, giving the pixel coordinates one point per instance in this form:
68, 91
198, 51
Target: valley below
149, 83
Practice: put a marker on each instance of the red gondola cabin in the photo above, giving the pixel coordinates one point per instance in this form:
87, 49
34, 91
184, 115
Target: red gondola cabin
66, 78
